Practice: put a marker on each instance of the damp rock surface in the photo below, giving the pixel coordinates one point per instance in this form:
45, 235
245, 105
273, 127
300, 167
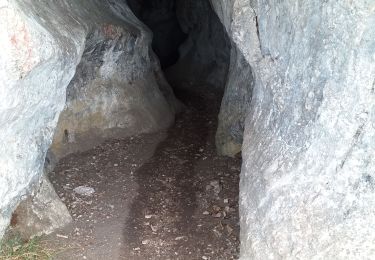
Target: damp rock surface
306, 188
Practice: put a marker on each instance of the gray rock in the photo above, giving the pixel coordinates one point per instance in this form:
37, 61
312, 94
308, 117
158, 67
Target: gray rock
235, 105
84, 190
44, 46
307, 189
301, 85
115, 91
41, 213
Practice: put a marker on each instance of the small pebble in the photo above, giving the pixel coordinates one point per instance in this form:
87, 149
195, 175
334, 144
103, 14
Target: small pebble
218, 215
216, 208
153, 228
229, 229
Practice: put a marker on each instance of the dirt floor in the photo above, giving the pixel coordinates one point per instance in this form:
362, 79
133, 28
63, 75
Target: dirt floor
156, 196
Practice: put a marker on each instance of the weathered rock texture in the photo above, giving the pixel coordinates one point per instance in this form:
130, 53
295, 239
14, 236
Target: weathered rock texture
42, 213
234, 106
114, 92
42, 42
307, 186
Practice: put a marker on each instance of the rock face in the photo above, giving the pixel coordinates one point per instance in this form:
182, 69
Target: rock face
40, 214
42, 44
307, 187
114, 92
235, 105
301, 86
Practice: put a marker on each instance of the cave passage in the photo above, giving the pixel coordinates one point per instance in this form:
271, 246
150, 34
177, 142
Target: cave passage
166, 195
161, 18
115, 124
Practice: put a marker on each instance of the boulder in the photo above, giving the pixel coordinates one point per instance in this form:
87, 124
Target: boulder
307, 188
41, 213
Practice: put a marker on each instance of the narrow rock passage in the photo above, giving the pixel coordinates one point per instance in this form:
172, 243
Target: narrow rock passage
157, 196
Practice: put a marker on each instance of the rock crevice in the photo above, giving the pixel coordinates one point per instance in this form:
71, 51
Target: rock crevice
299, 103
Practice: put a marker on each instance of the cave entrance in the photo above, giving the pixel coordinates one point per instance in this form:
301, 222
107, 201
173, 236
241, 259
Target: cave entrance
164, 195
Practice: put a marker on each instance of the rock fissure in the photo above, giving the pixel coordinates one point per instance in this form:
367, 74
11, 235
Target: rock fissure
295, 78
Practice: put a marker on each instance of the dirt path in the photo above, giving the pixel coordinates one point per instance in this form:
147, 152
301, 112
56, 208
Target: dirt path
158, 196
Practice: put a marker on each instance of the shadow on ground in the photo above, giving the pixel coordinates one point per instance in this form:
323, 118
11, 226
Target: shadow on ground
170, 218
156, 196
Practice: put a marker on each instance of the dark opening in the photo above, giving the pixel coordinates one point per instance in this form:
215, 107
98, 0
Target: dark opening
161, 18
165, 195
189, 40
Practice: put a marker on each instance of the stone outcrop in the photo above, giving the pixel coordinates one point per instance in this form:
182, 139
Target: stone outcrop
307, 181
102, 52
114, 93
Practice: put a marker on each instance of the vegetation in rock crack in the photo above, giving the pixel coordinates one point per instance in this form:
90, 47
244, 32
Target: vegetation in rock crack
15, 248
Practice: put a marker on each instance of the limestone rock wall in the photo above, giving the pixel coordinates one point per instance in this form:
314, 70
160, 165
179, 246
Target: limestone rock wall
307, 180
114, 93
42, 43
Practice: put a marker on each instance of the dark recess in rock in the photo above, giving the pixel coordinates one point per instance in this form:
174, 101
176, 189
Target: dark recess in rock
189, 40
160, 16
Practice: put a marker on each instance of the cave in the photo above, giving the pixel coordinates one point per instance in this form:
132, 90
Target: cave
161, 18
184, 129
